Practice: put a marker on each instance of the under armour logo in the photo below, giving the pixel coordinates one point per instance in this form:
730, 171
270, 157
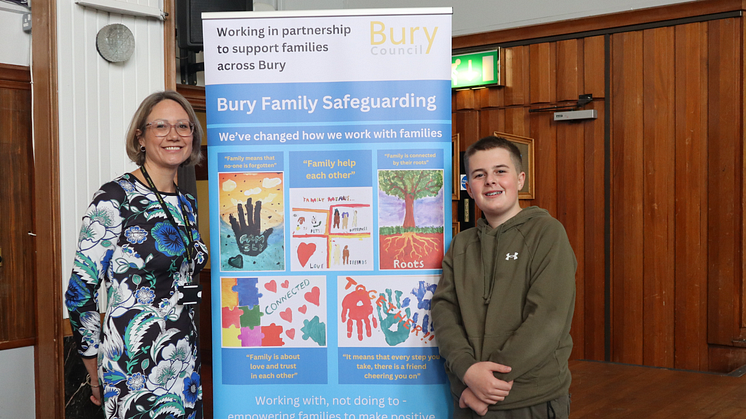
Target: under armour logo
514, 256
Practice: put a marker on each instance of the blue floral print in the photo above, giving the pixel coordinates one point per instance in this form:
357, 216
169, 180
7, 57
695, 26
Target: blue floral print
126, 185
136, 235
136, 382
147, 345
167, 239
145, 295
192, 389
76, 293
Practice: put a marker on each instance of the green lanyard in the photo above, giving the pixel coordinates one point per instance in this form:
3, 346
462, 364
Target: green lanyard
189, 246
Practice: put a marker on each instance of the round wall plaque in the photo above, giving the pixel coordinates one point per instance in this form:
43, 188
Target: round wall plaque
115, 43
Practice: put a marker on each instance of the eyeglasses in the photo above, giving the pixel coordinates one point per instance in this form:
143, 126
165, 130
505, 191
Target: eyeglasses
161, 128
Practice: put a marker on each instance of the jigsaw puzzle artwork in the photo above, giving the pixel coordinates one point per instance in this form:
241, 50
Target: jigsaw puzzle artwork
385, 311
273, 311
252, 217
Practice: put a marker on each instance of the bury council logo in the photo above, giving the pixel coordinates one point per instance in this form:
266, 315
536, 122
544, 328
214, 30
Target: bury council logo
401, 40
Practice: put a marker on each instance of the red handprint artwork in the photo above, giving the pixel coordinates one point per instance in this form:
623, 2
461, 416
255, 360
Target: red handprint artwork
358, 309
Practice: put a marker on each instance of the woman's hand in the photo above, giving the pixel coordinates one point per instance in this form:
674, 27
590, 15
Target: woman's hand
96, 396
92, 367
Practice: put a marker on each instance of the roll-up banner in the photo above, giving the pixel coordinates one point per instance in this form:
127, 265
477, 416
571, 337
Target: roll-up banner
330, 177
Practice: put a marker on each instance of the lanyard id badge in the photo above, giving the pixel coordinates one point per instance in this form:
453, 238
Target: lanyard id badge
191, 293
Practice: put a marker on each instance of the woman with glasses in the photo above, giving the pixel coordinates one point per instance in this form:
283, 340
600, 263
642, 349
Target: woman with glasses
139, 238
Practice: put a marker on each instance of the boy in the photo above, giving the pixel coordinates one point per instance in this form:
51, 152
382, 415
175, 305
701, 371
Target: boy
502, 310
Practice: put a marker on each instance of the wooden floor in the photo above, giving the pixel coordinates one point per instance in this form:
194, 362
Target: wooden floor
608, 390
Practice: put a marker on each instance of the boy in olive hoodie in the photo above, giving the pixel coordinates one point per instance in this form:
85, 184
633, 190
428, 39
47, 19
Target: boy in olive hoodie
502, 310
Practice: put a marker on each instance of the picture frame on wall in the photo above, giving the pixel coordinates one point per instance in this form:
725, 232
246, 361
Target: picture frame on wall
526, 147
455, 154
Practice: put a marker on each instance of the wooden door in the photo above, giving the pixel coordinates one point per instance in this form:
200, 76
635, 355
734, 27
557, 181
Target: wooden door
677, 195
17, 308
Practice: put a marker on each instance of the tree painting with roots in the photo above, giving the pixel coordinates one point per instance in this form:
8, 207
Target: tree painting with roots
408, 245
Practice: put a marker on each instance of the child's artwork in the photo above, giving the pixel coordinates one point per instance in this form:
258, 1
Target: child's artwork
273, 311
331, 229
410, 219
385, 311
252, 232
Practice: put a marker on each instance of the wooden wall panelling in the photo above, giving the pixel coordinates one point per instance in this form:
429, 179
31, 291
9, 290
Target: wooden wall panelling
516, 75
594, 62
491, 120
723, 181
466, 124
196, 97
658, 196
17, 302
743, 182
676, 163
543, 72
594, 241
569, 70
503, 74
491, 97
626, 198
466, 99
725, 359
690, 331
15, 77
544, 133
638, 16
518, 121
570, 169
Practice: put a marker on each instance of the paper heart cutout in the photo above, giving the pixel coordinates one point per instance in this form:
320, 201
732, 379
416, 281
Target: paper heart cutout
236, 261
290, 333
305, 250
271, 286
303, 309
285, 284
287, 315
313, 295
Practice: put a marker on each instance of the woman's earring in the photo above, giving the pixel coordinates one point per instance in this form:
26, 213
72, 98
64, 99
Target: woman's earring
142, 149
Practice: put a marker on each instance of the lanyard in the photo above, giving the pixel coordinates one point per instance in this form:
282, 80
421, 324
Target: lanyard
189, 246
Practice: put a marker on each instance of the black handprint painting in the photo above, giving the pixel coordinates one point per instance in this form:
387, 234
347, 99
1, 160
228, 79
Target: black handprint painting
252, 221
247, 229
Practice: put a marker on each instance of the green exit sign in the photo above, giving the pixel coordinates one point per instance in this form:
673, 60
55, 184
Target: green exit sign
474, 70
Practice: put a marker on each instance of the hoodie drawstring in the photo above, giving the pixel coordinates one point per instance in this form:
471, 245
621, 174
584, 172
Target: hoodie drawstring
550, 411
488, 298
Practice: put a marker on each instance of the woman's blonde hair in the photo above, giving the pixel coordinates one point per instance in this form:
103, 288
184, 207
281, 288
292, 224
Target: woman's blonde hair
141, 118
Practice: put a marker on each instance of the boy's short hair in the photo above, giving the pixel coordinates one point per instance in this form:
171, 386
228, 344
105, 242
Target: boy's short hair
488, 143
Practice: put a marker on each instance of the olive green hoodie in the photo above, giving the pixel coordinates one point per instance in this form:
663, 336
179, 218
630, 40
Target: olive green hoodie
507, 295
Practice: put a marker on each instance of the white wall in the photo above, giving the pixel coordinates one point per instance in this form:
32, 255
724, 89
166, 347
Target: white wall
17, 397
17, 51
470, 16
96, 102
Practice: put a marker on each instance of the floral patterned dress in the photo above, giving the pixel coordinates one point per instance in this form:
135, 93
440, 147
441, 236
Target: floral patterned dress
147, 347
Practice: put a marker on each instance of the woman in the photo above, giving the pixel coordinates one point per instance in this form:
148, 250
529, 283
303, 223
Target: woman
134, 239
